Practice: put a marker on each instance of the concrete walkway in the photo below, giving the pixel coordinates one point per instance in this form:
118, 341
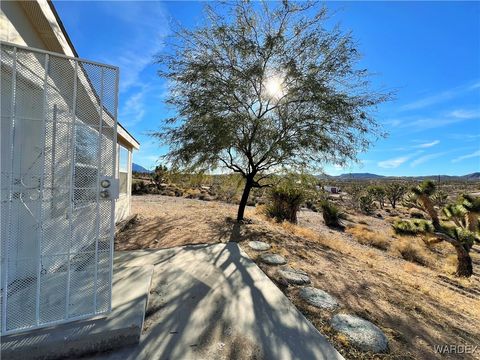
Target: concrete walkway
213, 302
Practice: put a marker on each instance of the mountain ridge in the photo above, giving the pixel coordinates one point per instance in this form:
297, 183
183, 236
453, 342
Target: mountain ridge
140, 169
369, 176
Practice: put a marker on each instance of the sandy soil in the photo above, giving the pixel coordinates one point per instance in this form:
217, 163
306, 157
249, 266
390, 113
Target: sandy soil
165, 221
417, 307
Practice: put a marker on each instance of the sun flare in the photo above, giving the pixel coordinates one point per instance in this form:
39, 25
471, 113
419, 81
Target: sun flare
275, 87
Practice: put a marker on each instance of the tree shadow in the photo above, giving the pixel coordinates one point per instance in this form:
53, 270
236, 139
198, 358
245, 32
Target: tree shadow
211, 301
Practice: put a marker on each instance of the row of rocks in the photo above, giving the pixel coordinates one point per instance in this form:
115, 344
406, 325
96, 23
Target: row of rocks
361, 333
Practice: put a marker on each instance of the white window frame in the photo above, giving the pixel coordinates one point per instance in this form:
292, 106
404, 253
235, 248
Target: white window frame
119, 151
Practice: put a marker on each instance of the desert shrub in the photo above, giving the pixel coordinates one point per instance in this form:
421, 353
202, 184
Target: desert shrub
412, 252
139, 187
178, 192
412, 227
192, 193
366, 236
331, 214
284, 202
416, 214
366, 204
310, 204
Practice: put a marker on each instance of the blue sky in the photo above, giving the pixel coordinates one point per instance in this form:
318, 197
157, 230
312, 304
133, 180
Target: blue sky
428, 51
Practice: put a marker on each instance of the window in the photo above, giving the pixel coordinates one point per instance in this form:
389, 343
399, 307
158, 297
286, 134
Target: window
123, 169
86, 165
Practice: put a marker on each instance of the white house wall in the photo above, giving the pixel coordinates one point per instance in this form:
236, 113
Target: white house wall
16, 27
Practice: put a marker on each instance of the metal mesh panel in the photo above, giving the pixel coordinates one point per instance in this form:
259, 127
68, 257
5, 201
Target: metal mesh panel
58, 136
6, 69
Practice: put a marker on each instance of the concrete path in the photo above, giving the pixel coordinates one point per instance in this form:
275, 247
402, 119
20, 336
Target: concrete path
213, 302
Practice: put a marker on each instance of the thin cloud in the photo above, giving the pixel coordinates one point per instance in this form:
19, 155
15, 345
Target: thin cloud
397, 161
427, 145
393, 163
440, 97
425, 158
432, 122
133, 109
465, 114
467, 156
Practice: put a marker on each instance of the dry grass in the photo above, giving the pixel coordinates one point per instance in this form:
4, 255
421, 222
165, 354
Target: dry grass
414, 249
366, 236
450, 264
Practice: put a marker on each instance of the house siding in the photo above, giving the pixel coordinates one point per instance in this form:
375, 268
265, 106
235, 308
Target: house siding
17, 27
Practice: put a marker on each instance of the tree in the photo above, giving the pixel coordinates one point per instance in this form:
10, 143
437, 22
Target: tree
378, 194
463, 234
263, 87
394, 192
159, 175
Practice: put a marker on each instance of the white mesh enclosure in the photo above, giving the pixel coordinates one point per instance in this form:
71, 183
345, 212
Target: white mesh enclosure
58, 187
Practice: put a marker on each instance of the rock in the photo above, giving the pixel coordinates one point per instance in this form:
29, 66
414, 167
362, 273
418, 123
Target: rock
361, 333
297, 277
318, 298
273, 259
259, 245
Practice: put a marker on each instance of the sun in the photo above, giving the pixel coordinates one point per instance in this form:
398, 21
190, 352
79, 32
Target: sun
275, 86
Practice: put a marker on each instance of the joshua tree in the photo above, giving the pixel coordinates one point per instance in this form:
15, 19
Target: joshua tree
159, 175
463, 214
472, 217
265, 86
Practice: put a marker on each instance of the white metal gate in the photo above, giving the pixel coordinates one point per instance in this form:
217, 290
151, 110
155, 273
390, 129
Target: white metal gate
58, 151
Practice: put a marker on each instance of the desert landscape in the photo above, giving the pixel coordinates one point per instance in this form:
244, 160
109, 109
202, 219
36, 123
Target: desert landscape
402, 283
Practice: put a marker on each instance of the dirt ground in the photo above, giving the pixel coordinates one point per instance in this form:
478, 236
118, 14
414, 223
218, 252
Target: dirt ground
416, 306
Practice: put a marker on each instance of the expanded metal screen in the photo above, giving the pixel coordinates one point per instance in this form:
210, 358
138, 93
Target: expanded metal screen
58, 150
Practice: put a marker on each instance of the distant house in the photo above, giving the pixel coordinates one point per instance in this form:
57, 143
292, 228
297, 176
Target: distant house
332, 189
66, 169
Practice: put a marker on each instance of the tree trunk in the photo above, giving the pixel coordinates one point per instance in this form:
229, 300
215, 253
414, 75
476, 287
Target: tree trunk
393, 203
429, 208
472, 221
464, 266
244, 199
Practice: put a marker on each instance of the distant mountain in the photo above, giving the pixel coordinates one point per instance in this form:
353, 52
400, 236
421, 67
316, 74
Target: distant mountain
368, 176
359, 176
472, 176
352, 176
140, 169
